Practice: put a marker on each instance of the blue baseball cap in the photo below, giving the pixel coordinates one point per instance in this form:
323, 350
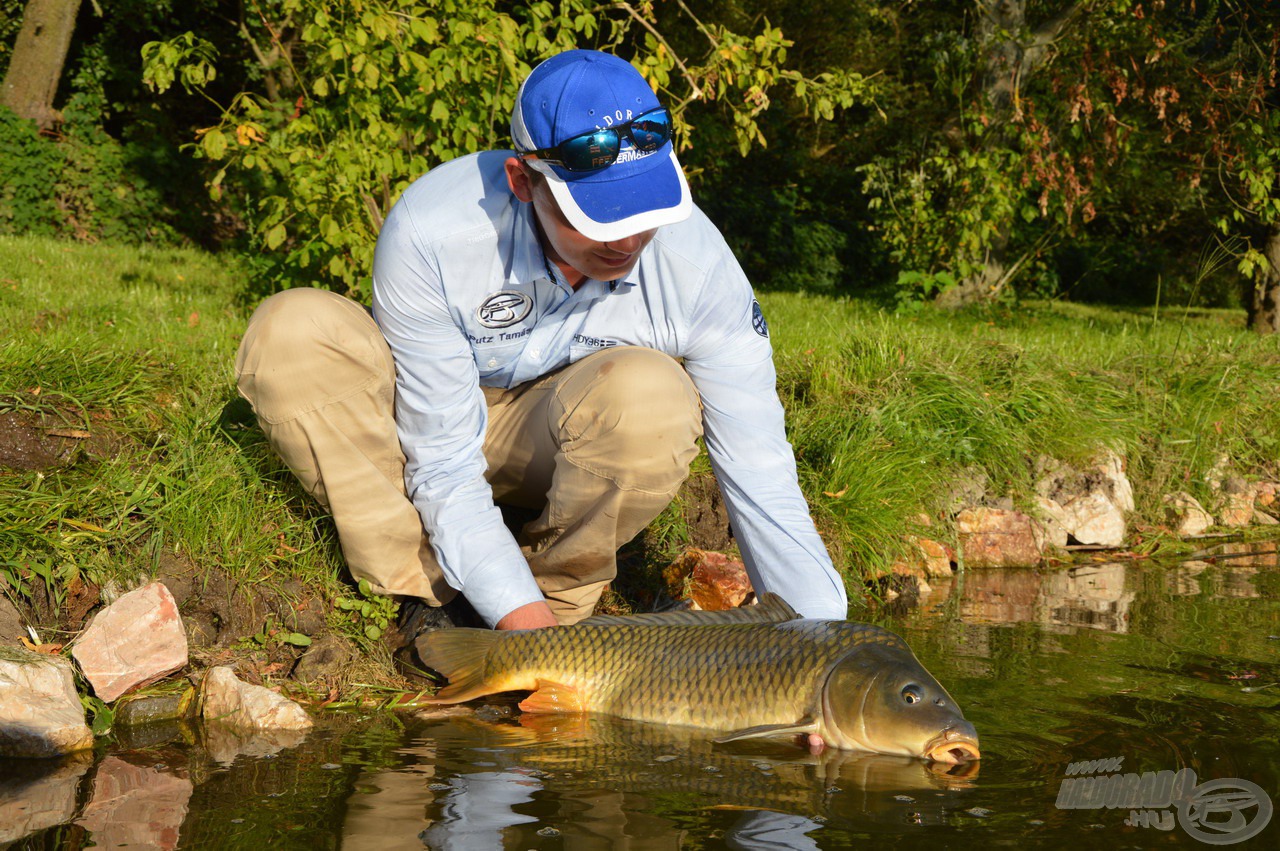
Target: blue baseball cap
576, 92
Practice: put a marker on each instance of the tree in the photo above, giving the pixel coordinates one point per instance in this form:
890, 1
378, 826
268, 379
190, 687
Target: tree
35, 67
361, 97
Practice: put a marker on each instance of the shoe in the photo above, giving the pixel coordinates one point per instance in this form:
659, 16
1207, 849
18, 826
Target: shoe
417, 617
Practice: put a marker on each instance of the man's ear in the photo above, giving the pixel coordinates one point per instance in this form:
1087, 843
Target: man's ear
518, 179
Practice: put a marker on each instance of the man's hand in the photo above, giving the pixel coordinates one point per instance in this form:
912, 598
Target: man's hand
529, 616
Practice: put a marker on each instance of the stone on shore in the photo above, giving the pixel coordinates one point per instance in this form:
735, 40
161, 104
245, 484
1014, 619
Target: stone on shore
40, 712
132, 643
230, 701
712, 580
995, 537
1235, 508
1186, 515
1090, 504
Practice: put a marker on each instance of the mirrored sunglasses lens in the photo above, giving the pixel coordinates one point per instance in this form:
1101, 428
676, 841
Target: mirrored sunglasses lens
650, 132
590, 151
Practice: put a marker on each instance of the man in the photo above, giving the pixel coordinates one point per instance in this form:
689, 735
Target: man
530, 309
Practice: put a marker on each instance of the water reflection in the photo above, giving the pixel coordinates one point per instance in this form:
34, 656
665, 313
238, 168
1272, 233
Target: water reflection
603, 783
38, 794
132, 806
1159, 667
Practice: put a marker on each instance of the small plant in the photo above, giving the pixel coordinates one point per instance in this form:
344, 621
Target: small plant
372, 614
271, 634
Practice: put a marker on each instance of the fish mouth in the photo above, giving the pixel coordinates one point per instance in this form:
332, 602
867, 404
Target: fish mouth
953, 747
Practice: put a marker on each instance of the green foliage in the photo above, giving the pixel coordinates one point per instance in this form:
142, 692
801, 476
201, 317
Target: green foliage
80, 185
28, 201
370, 615
364, 97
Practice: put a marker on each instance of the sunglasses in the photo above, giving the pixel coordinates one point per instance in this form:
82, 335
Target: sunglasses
599, 149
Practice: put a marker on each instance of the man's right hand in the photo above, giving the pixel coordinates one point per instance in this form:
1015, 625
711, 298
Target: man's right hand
529, 616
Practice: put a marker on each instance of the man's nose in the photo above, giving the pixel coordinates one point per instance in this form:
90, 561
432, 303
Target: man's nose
626, 245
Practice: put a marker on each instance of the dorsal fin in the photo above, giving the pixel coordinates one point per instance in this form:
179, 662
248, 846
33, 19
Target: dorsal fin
770, 609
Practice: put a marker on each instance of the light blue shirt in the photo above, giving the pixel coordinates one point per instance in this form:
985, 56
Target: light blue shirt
465, 297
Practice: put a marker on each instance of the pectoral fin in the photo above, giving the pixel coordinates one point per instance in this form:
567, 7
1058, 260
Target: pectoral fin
804, 725
554, 697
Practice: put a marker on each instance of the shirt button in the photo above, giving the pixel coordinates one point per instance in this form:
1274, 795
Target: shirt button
493, 362
536, 353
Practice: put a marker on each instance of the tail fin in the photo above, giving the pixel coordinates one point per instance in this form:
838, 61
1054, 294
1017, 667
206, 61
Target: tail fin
461, 655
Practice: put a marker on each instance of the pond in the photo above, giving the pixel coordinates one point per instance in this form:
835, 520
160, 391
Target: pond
1163, 677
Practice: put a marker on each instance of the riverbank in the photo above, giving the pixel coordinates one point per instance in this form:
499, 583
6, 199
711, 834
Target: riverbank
125, 454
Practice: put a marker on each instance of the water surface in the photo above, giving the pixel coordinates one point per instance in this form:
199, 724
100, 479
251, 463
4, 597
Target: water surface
1144, 668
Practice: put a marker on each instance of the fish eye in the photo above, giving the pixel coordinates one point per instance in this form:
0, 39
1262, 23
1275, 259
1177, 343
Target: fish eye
911, 694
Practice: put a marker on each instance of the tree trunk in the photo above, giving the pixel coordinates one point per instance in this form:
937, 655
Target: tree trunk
1264, 313
38, 55
1012, 52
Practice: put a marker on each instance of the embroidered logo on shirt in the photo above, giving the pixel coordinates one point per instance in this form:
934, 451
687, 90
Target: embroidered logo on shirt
503, 309
757, 319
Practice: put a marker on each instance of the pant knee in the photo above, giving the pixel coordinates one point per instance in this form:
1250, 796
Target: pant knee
632, 414
305, 348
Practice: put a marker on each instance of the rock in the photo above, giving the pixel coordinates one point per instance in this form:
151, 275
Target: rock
992, 537
1186, 514
11, 628
1267, 493
1262, 518
1053, 522
1095, 519
1217, 474
35, 796
1092, 501
936, 558
135, 807
328, 656
226, 699
150, 708
711, 580
1237, 501
40, 712
133, 642
1112, 466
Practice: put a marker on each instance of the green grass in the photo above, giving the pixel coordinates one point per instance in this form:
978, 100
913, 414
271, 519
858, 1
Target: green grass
887, 414
137, 345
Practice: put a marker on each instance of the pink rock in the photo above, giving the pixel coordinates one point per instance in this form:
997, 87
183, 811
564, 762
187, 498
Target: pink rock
937, 558
1237, 509
711, 580
227, 699
134, 642
994, 537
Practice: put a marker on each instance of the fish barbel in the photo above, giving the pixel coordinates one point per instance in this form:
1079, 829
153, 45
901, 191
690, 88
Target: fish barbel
748, 672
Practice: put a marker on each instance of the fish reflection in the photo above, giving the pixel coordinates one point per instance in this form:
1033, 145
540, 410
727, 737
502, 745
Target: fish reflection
599, 782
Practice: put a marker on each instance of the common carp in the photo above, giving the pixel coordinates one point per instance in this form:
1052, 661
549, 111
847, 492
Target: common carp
749, 672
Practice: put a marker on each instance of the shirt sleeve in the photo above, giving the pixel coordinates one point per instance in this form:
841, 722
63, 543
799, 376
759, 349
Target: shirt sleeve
441, 418
730, 360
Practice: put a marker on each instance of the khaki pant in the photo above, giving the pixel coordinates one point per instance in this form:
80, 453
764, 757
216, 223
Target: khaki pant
599, 447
